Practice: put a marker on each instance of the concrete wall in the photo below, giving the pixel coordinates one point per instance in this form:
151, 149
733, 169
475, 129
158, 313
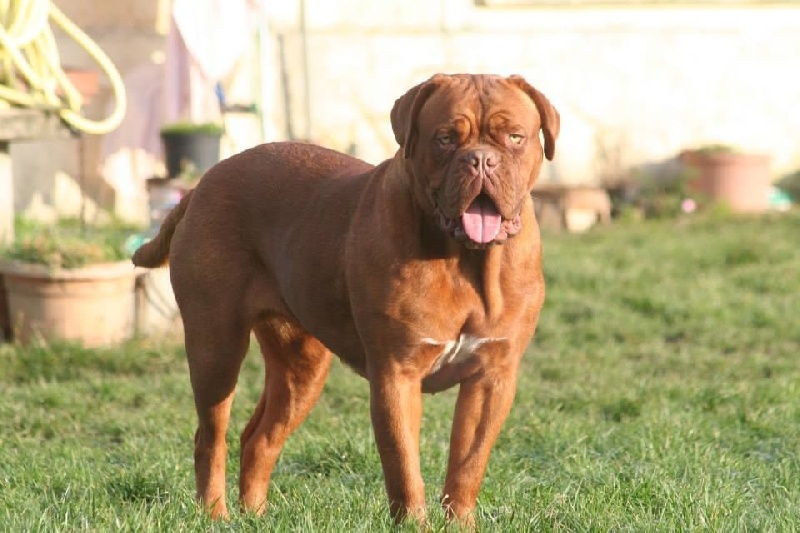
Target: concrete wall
634, 85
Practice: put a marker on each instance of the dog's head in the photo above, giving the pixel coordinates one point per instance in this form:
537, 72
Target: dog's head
472, 147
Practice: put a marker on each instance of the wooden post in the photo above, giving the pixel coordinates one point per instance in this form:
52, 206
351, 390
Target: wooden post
6, 196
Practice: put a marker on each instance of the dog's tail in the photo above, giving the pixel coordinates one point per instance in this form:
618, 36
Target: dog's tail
155, 253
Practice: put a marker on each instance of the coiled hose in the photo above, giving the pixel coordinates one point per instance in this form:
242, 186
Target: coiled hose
30, 67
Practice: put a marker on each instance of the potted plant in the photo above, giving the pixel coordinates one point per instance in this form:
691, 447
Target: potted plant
190, 148
69, 282
790, 185
665, 194
725, 174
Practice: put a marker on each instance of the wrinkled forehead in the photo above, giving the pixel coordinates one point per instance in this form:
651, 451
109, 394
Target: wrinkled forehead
477, 98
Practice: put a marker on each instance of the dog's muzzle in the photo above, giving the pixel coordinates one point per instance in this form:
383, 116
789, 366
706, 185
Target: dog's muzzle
481, 225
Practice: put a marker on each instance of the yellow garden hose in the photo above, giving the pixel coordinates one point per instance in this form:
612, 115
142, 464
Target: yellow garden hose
30, 67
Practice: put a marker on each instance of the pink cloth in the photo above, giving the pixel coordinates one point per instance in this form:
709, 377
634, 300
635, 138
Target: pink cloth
132, 153
140, 126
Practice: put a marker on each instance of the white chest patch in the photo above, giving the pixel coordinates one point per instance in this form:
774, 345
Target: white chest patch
458, 350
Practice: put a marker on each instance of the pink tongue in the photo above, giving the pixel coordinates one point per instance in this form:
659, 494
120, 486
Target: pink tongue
481, 220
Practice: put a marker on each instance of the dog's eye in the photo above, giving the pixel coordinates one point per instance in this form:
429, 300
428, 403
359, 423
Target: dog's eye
516, 138
445, 139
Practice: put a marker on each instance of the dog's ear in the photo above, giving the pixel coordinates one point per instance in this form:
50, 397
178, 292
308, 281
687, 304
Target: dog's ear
551, 120
406, 109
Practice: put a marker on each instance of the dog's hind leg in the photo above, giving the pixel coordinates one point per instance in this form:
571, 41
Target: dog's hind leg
297, 365
216, 344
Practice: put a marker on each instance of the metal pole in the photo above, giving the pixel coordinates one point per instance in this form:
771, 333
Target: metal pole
306, 74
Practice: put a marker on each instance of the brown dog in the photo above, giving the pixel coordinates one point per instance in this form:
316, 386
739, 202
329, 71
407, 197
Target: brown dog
421, 273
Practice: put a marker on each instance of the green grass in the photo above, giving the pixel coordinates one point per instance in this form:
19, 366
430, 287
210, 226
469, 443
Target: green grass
662, 393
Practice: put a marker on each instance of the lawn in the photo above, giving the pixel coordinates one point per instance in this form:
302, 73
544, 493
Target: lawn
662, 393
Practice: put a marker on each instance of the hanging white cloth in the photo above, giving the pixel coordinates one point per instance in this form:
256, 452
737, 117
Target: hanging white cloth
205, 41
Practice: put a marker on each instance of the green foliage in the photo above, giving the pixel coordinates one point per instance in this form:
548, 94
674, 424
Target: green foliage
663, 196
660, 394
177, 128
716, 148
791, 185
68, 243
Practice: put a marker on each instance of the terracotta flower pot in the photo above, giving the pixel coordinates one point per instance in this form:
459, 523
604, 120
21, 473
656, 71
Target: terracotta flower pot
86, 81
739, 180
93, 304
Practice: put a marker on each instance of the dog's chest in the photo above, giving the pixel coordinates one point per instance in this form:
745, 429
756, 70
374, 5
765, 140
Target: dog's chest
459, 350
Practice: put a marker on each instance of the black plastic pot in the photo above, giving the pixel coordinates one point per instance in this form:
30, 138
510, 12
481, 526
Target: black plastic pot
190, 152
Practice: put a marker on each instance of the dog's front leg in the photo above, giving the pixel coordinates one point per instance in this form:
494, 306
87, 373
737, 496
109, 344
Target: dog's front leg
396, 410
483, 404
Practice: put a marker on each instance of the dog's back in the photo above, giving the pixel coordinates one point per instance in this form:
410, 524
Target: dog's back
292, 180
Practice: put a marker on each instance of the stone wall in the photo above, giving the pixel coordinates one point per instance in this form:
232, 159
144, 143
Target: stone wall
132, 34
